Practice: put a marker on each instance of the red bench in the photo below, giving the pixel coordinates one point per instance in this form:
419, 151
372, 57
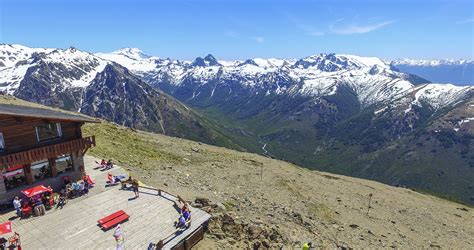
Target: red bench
110, 221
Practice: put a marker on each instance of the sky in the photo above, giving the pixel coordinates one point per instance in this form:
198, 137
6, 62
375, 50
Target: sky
241, 29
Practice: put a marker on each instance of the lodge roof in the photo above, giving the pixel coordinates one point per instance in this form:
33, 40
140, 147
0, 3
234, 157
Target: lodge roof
44, 113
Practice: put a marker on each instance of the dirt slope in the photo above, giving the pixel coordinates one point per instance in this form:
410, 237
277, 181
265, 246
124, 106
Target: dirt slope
257, 201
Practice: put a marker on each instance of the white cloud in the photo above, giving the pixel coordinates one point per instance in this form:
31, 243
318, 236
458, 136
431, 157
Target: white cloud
259, 39
469, 20
357, 28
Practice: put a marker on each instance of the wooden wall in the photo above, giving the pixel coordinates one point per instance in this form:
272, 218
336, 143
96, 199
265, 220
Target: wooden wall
19, 133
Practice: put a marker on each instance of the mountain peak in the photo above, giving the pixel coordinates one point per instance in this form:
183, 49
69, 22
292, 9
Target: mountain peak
428, 62
133, 53
208, 60
334, 62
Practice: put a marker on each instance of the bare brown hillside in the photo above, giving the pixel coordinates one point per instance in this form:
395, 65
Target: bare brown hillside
257, 201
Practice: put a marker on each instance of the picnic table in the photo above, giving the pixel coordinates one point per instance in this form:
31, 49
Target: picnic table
113, 219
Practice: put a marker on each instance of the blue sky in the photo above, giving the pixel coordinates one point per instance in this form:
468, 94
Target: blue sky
240, 29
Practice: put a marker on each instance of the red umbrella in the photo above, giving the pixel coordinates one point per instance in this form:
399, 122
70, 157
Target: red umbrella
30, 192
6, 227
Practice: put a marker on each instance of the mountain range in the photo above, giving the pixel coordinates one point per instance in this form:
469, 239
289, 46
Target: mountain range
459, 72
347, 114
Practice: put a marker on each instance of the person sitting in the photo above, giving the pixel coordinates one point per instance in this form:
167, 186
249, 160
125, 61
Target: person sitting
110, 164
14, 241
86, 187
39, 208
110, 179
87, 178
181, 222
103, 163
187, 215
81, 188
75, 189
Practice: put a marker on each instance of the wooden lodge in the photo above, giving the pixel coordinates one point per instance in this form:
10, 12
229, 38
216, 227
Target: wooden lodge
39, 146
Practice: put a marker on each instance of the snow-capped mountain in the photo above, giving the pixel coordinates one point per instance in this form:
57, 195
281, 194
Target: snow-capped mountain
67, 68
348, 114
459, 72
80, 81
370, 78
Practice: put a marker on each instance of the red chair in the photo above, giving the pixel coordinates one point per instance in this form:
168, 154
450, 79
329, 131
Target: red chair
26, 211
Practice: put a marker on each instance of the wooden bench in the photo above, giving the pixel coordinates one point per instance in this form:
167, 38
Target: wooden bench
110, 221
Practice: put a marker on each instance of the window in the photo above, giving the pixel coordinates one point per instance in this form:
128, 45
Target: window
48, 131
64, 164
40, 170
13, 177
2, 142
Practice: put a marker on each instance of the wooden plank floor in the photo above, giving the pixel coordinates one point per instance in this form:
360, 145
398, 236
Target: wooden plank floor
75, 226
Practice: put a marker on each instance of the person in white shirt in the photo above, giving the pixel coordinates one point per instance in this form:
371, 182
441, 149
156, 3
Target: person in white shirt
17, 205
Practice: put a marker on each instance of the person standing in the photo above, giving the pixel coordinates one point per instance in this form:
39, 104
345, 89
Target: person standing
118, 235
17, 205
135, 188
308, 245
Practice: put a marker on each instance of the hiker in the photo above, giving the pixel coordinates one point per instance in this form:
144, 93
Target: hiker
308, 245
17, 205
135, 188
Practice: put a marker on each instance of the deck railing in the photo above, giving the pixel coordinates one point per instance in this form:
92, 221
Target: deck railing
79, 146
190, 240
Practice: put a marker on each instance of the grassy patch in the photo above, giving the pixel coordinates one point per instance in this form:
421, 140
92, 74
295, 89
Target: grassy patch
321, 211
126, 146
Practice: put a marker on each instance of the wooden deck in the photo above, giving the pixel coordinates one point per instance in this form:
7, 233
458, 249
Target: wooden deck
75, 226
